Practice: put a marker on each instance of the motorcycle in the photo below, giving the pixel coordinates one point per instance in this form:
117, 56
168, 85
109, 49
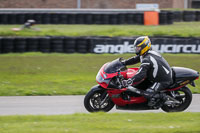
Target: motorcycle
110, 90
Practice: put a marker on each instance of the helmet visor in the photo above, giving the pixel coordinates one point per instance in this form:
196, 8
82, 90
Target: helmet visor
137, 49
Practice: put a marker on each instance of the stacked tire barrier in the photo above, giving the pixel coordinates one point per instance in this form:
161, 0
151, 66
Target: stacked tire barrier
165, 17
95, 44
187, 16
94, 16
72, 18
45, 44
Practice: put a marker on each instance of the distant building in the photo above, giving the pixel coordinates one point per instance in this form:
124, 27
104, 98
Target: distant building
100, 4
193, 3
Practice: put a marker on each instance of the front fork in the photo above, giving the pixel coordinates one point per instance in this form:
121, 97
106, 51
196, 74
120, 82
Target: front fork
104, 97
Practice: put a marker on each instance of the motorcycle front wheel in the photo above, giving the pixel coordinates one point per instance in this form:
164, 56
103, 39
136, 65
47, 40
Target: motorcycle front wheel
184, 96
98, 100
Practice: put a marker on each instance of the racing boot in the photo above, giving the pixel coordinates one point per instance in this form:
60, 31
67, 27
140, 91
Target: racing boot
149, 94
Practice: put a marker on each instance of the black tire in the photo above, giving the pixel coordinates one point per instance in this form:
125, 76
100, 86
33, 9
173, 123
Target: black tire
197, 15
46, 18
139, 18
94, 97
189, 15
20, 18
80, 18
28, 16
7, 45
12, 18
170, 17
185, 100
4, 18
55, 18
0, 45
163, 18
38, 18
63, 18
178, 16
32, 44
69, 45
130, 18
44, 45
88, 18
105, 19
20, 45
81, 45
97, 18
71, 18
113, 19
121, 18
57, 44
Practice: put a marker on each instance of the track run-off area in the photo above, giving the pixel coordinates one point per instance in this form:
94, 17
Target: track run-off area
54, 105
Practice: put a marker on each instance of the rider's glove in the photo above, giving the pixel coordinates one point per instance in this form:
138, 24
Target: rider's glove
127, 83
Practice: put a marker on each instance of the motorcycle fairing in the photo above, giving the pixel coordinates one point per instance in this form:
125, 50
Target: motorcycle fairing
103, 78
115, 95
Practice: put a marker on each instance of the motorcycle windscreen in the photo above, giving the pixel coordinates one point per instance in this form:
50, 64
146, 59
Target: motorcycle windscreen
100, 79
114, 66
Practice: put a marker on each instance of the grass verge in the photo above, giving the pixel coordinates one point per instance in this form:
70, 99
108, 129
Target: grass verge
103, 123
65, 74
182, 29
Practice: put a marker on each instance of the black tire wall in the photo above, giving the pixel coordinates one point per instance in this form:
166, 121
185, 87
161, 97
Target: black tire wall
189, 15
7, 45
44, 44
20, 45
32, 44
80, 18
64, 44
166, 17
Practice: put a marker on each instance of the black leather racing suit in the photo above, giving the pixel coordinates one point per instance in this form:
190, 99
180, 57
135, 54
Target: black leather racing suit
153, 67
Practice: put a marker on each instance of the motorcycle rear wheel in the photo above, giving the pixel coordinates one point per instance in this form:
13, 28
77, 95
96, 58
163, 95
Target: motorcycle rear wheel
93, 101
184, 95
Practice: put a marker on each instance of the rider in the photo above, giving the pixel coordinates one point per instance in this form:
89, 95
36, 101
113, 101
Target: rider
153, 67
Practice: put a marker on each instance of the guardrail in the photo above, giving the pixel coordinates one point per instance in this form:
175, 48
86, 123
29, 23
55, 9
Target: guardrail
95, 44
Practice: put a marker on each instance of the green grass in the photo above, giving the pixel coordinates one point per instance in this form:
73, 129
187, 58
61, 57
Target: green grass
65, 74
183, 29
103, 123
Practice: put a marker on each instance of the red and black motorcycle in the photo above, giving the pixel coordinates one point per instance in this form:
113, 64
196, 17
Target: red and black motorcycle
110, 91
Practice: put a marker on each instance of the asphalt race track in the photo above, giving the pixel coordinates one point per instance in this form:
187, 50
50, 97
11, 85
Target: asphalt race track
53, 105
